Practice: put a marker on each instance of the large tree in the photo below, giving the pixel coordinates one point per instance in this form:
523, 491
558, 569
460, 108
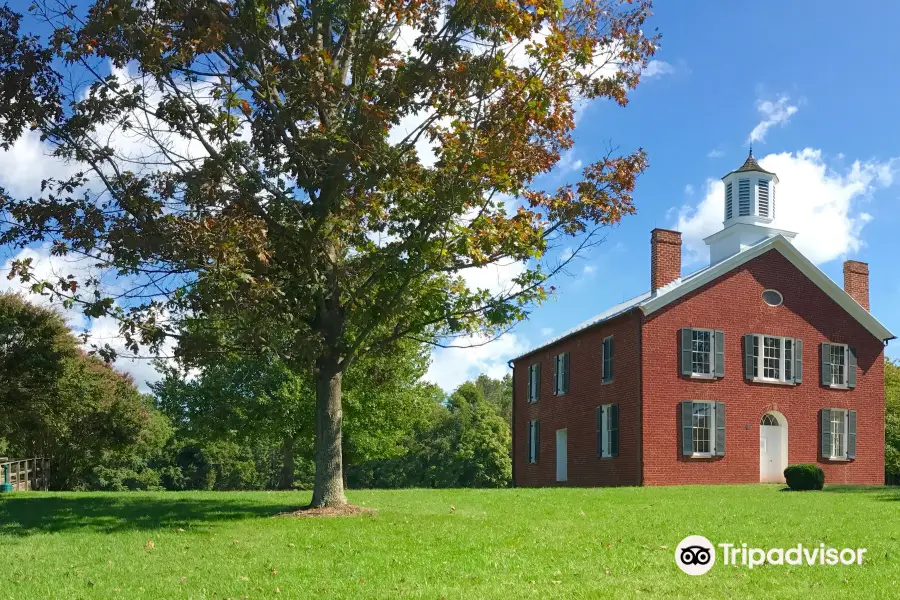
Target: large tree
319, 173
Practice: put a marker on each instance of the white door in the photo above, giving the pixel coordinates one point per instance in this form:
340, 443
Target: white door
562, 437
771, 453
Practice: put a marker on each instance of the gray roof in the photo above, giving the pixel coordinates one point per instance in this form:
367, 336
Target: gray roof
750, 165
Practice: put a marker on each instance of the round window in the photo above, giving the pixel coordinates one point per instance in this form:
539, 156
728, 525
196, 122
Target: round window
772, 297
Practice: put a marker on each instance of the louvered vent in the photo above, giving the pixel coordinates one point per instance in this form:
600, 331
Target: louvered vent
728, 200
743, 197
764, 197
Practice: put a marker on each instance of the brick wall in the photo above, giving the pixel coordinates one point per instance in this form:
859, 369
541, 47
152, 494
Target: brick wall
856, 281
732, 303
575, 411
665, 257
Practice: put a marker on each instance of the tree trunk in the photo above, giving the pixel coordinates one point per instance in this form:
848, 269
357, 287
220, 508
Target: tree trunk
328, 489
286, 481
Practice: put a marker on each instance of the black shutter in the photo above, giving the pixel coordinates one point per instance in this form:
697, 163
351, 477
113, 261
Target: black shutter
537, 441
612, 359
528, 435
565, 372
528, 384
613, 419
556, 363
798, 361
749, 371
687, 428
826, 432
599, 413
687, 347
719, 343
720, 428
851, 434
826, 363
851, 367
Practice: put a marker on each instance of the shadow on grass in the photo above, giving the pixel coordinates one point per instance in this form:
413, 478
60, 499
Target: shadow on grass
881, 492
24, 514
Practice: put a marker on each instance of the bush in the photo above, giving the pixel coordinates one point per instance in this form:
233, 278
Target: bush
804, 477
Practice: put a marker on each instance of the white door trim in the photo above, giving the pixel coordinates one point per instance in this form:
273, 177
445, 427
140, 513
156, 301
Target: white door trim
773, 449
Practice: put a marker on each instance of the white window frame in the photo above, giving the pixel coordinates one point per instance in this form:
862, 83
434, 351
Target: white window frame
605, 451
603, 360
840, 432
712, 354
711, 428
532, 383
532, 449
784, 363
846, 367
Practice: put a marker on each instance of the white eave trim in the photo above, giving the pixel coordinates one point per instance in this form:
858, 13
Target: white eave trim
805, 266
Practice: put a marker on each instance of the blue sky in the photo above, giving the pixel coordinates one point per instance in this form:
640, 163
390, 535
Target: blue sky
789, 75
725, 69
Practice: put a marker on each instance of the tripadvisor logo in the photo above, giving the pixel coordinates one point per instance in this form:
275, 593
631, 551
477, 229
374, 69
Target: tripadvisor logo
696, 555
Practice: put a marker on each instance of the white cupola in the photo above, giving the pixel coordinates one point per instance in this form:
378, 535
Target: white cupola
749, 211
750, 194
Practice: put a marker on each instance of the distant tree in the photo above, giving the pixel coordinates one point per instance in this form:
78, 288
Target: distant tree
244, 399
60, 403
892, 416
462, 442
269, 187
497, 392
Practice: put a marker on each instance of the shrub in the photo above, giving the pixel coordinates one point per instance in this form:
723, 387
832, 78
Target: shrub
804, 477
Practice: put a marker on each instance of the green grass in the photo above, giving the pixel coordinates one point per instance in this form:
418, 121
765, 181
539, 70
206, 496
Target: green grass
518, 543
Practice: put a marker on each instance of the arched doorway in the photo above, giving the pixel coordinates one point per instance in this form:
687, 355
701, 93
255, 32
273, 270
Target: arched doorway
773, 447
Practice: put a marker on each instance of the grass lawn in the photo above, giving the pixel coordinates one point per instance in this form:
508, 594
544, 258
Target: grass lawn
517, 543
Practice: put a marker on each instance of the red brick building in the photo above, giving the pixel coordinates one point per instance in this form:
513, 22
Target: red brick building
727, 375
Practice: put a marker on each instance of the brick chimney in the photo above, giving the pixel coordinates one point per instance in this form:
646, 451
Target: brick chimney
665, 257
856, 281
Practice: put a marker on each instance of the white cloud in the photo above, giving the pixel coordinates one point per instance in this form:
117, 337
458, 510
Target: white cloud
496, 278
688, 190
715, 153
823, 204
657, 68
589, 270
100, 331
546, 331
452, 366
774, 112
568, 162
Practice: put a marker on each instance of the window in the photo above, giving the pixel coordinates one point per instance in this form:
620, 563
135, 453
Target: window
838, 433
607, 366
702, 349
769, 420
608, 430
773, 358
702, 353
534, 383
562, 373
838, 366
703, 428
533, 441
772, 297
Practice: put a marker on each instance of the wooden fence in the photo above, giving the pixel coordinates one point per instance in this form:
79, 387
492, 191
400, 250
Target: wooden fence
26, 473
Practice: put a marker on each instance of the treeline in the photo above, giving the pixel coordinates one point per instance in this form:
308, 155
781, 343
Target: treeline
237, 422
